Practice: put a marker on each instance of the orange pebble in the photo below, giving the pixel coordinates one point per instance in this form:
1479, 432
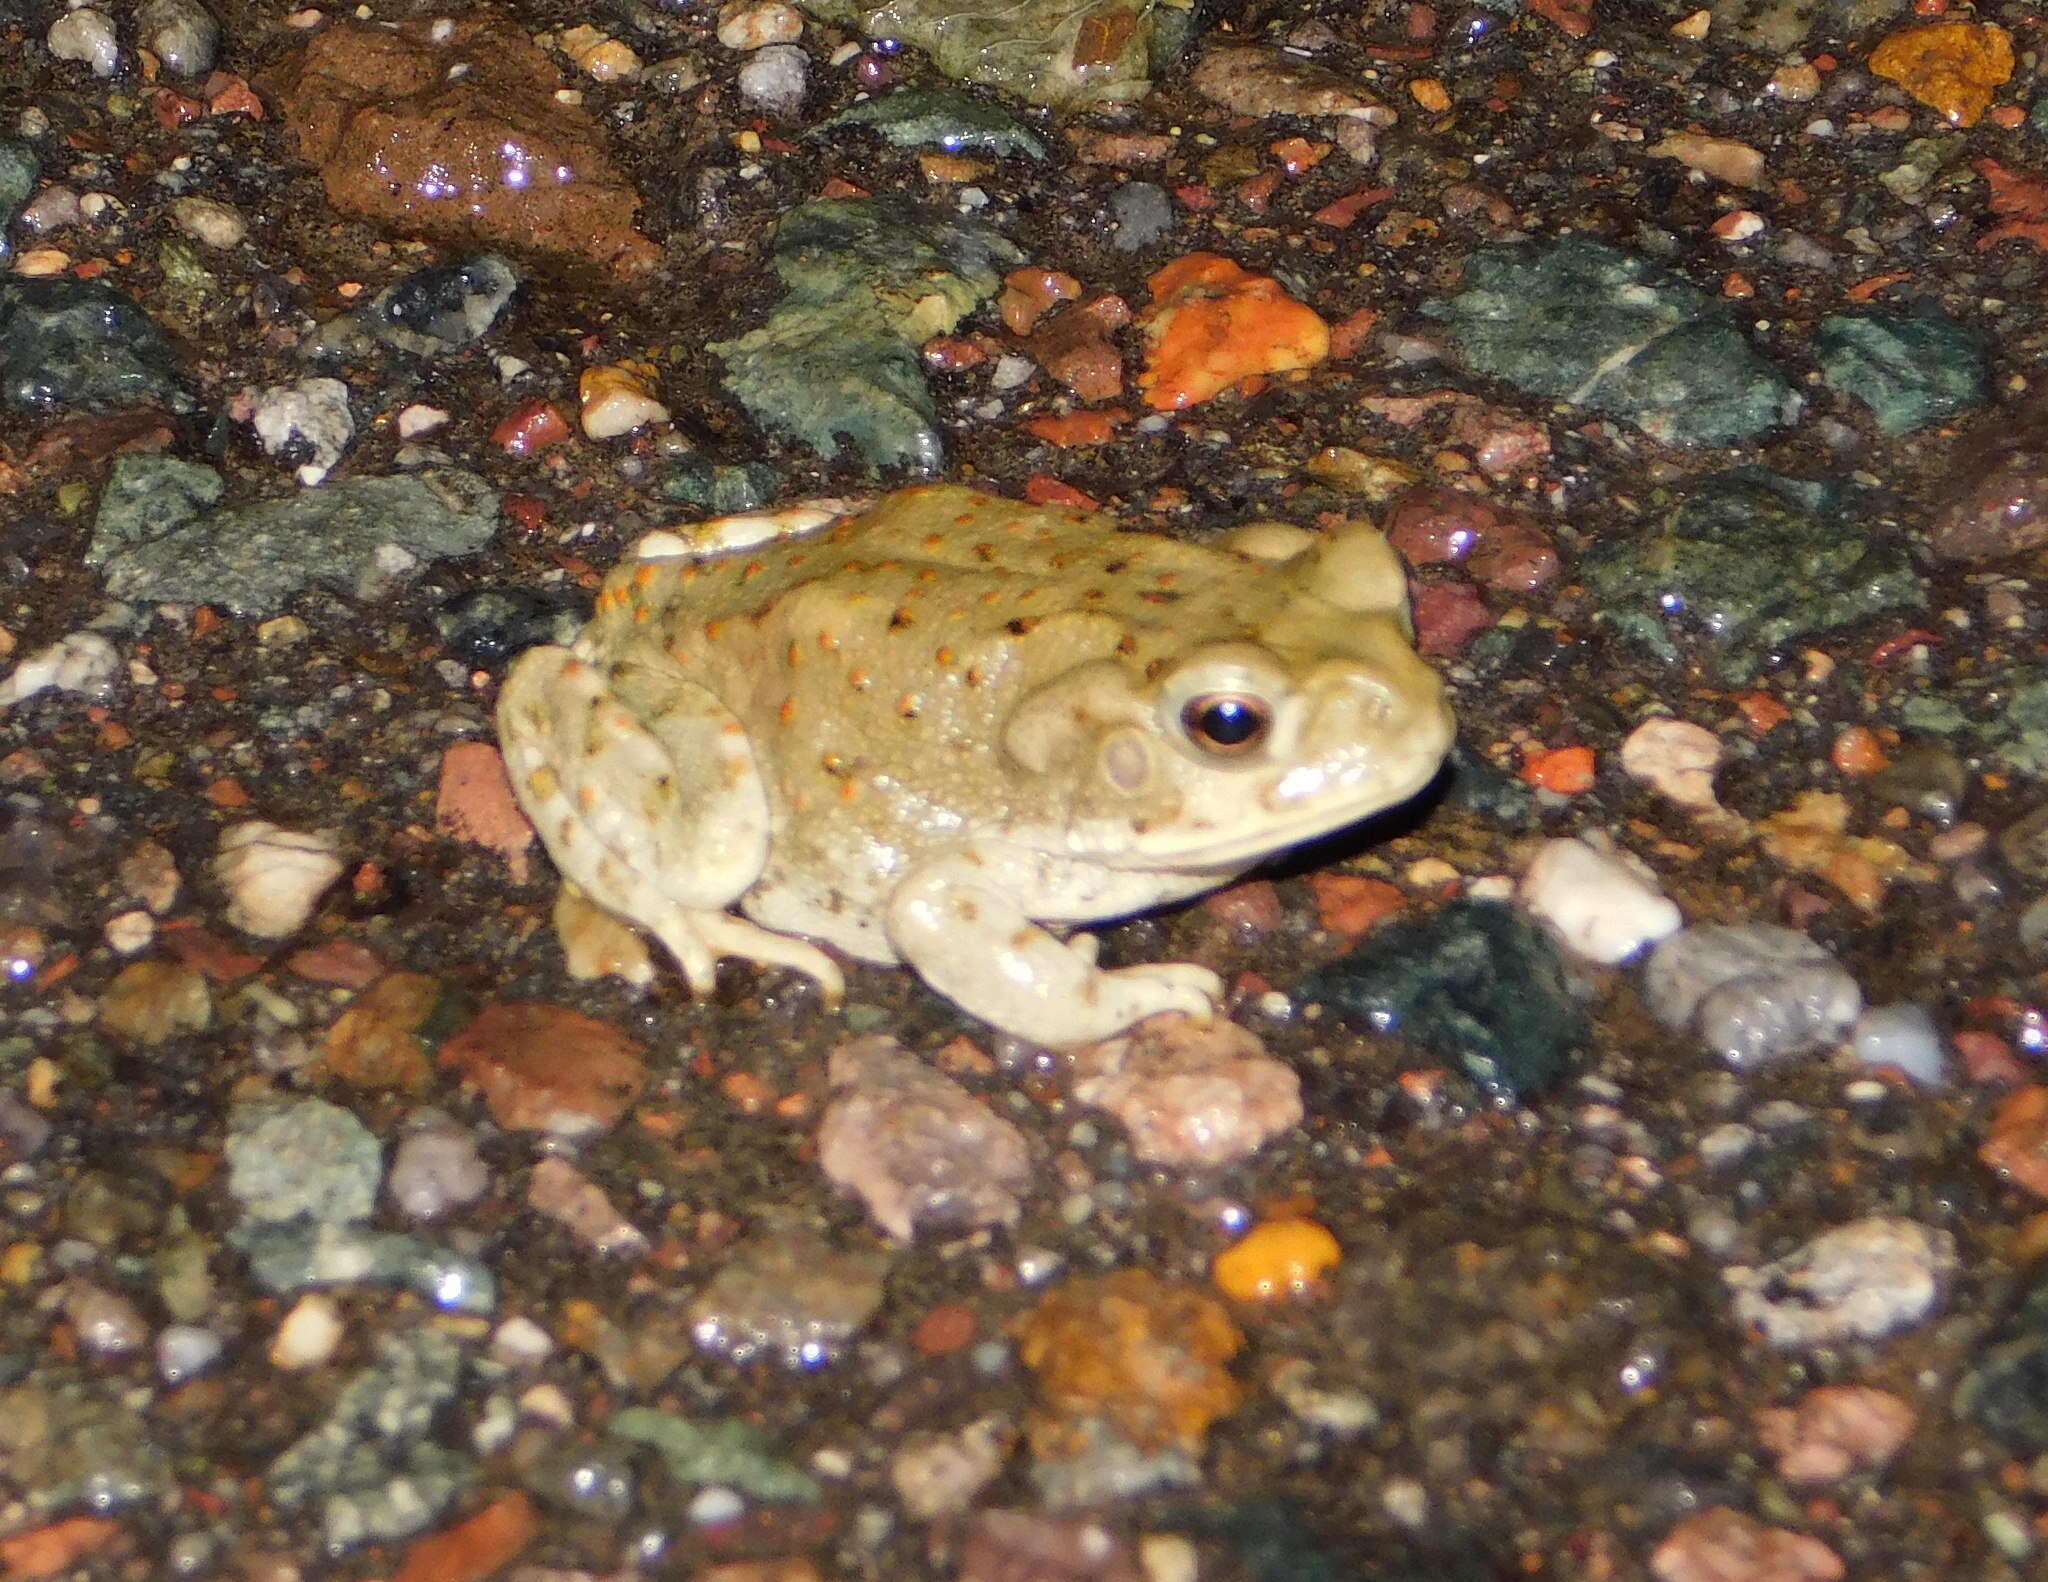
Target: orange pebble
1857, 751
1566, 770
1213, 324
1763, 711
1280, 1258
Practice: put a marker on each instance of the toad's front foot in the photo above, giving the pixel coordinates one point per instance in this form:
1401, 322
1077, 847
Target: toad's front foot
975, 946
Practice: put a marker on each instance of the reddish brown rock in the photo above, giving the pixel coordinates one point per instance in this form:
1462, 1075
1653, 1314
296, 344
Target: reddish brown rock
460, 138
1723, 1545
475, 803
1073, 344
1834, 1431
545, 1068
1996, 498
2018, 1145
1501, 548
1448, 615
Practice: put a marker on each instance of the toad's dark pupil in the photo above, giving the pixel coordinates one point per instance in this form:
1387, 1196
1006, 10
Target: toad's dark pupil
1226, 722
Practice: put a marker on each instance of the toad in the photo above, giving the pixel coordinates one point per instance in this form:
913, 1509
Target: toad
947, 728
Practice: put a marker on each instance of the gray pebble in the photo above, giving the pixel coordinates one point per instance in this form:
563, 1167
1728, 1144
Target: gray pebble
776, 78
184, 1351
1903, 1035
180, 33
302, 1159
1754, 993
1143, 214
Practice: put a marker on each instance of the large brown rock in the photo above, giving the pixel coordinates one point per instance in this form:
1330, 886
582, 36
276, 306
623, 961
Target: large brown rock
457, 135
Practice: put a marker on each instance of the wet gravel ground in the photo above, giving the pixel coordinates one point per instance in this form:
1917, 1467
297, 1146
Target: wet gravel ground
570, 1224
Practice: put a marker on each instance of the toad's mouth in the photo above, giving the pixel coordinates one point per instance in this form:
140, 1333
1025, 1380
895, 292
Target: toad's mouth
1195, 848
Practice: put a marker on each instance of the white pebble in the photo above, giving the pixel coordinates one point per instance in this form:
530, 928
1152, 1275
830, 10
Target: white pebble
548, 1403
53, 209
210, 221
521, 1343
1011, 371
1595, 902
274, 876
128, 932
748, 26
435, 1169
714, 1507
1902, 1035
776, 78
1677, 759
619, 408
184, 1351
86, 35
313, 412
83, 662
308, 1335
418, 419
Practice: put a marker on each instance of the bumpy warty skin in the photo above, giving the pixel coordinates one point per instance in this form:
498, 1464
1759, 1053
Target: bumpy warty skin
932, 730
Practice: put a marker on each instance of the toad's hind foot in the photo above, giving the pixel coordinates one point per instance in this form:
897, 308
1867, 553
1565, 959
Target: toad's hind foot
698, 939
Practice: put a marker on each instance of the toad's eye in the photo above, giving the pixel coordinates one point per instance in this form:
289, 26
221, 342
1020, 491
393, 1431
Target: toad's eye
1226, 723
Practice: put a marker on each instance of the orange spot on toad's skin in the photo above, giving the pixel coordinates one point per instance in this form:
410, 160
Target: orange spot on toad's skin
1212, 324
643, 576
788, 710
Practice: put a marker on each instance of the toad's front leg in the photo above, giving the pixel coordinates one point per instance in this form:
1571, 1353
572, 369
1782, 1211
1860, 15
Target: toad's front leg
953, 922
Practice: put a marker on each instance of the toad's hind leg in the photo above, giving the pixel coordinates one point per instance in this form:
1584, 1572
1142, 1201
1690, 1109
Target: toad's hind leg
647, 794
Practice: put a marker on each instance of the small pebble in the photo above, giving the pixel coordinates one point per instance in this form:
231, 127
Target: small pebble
86, 35
83, 662
776, 78
105, 1322
181, 33
714, 1507
1675, 758
1142, 214
308, 1335
1276, 1260
521, 1343
1902, 1035
1861, 1281
616, 399
309, 420
420, 419
1597, 904
274, 877
129, 932
1756, 994
184, 1351
747, 25
210, 221
435, 1169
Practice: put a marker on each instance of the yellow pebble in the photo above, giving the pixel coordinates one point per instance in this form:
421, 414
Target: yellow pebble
1281, 1258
